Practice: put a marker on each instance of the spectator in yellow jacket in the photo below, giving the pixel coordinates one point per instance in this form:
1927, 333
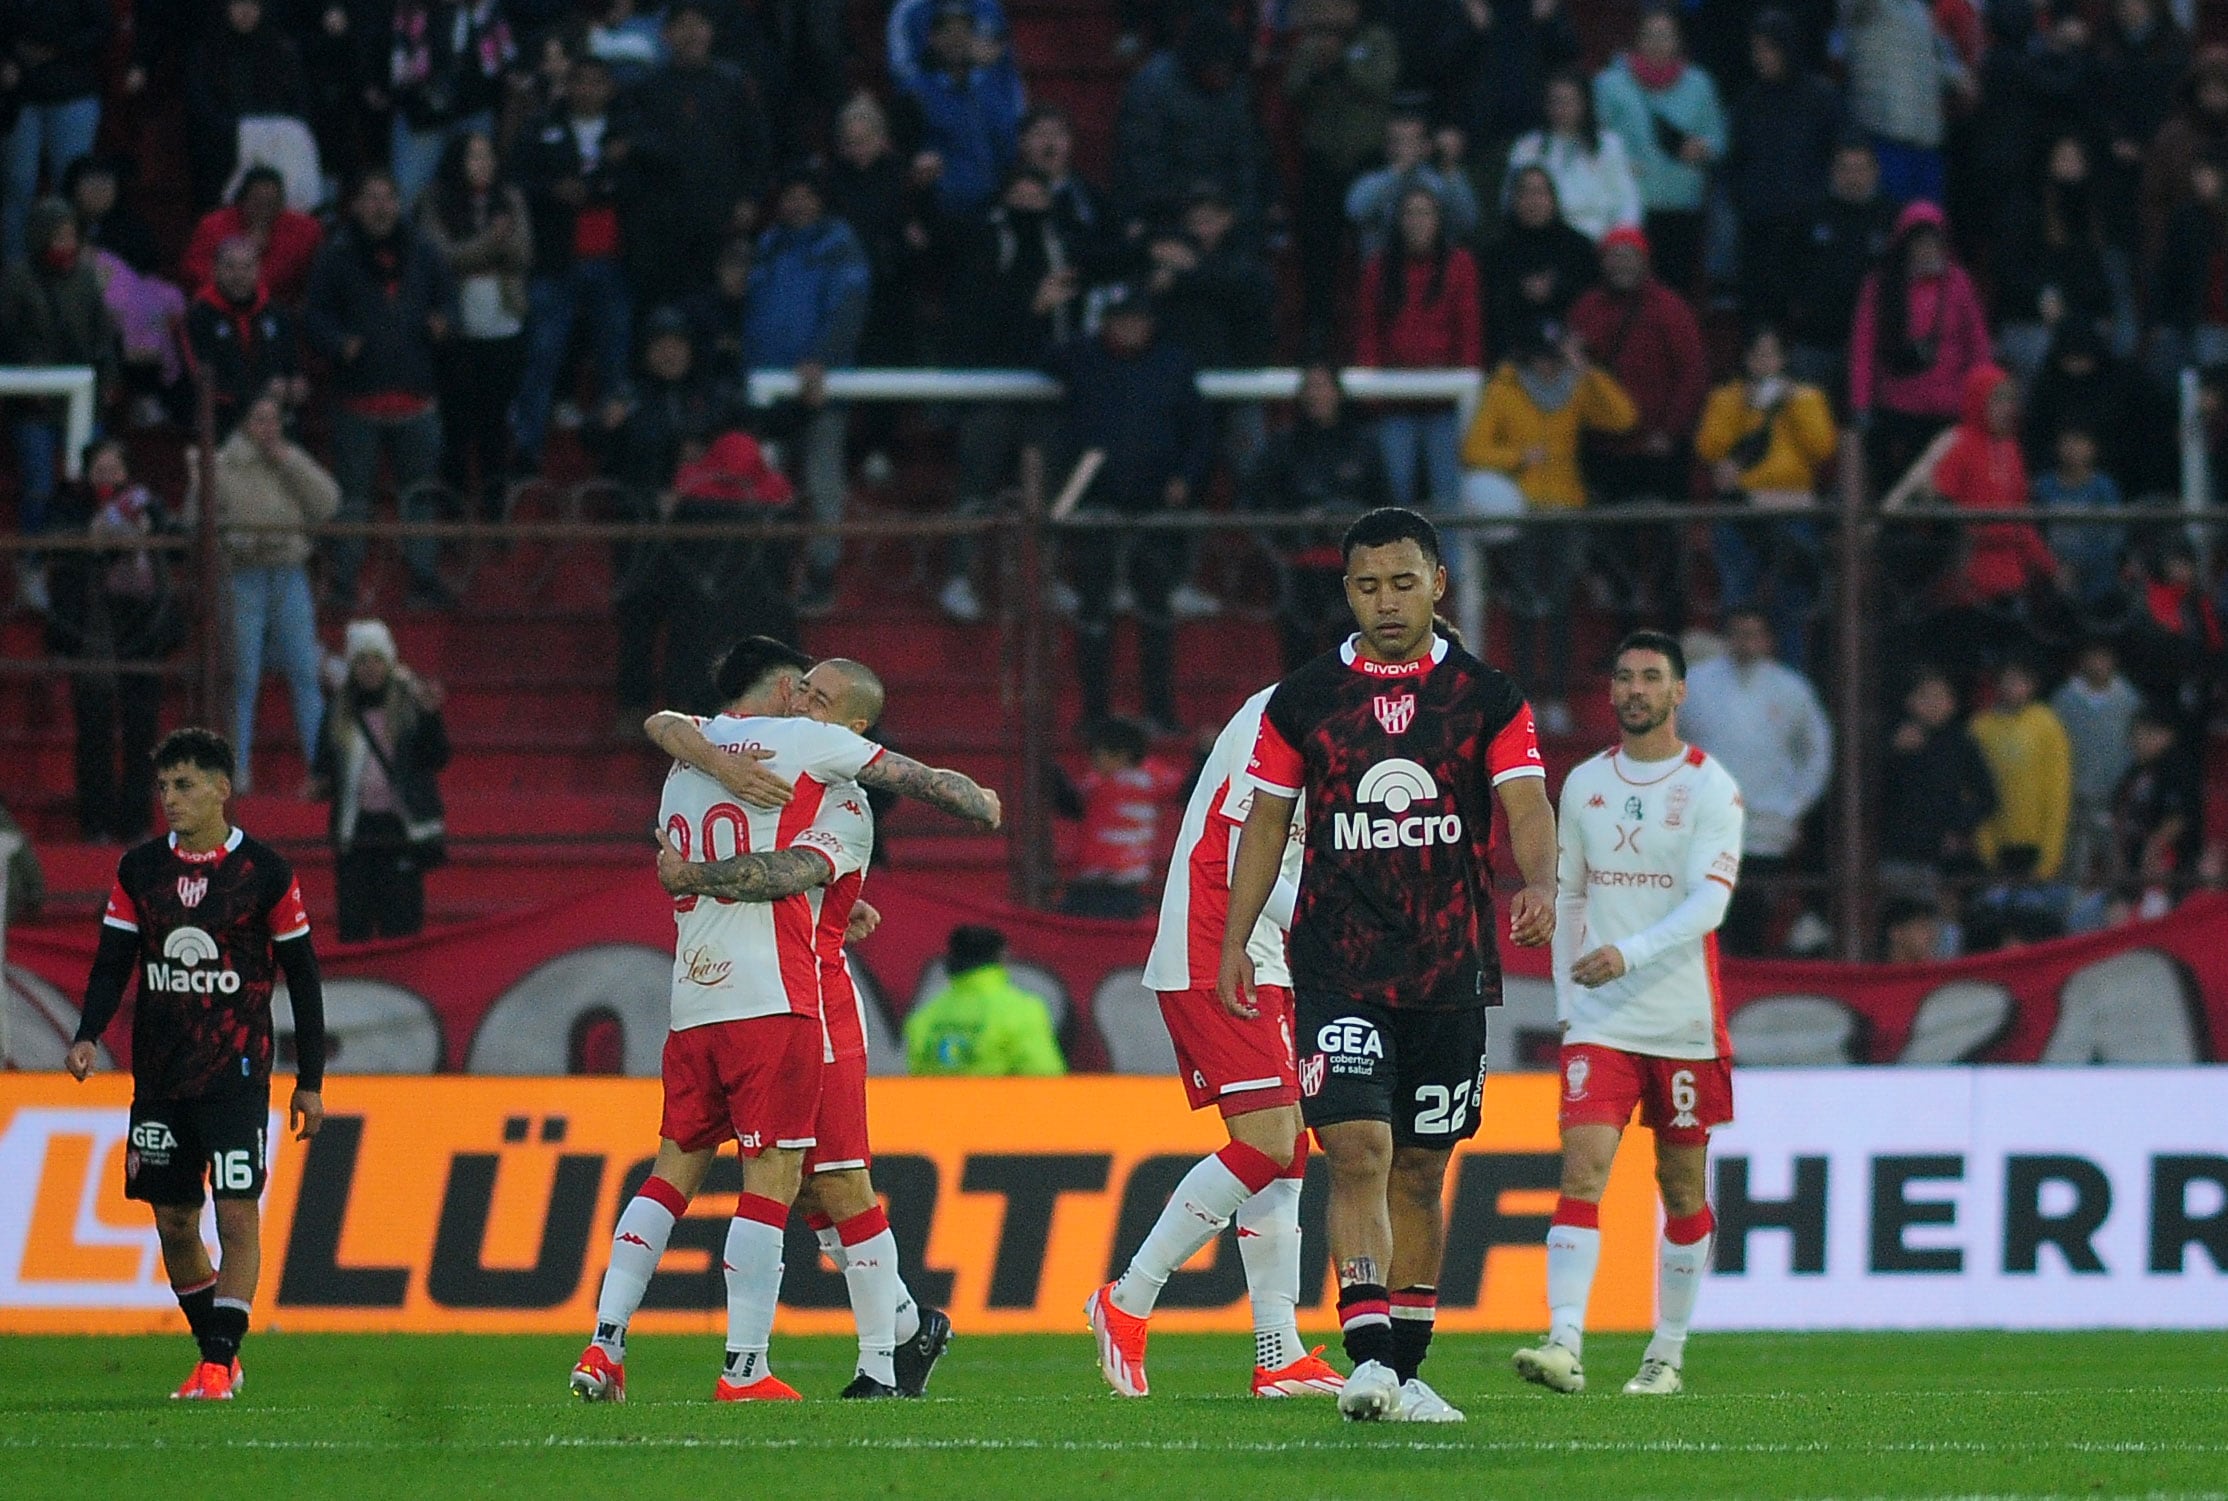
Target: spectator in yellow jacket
1765, 438
1523, 453
982, 1025
2031, 760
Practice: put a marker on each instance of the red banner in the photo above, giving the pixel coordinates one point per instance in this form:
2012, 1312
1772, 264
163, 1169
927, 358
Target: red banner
581, 985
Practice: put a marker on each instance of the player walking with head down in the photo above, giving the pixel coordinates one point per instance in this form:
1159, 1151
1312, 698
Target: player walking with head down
210, 918
1400, 741
1651, 847
1244, 1066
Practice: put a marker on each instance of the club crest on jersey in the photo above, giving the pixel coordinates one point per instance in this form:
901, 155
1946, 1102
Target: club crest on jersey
1574, 1078
1311, 1075
1675, 813
1395, 714
191, 889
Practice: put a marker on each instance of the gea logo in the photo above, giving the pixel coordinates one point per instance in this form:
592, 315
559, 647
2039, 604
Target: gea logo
189, 949
1397, 785
1350, 1037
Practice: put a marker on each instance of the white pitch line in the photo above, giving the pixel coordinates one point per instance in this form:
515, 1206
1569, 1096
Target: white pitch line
1673, 1447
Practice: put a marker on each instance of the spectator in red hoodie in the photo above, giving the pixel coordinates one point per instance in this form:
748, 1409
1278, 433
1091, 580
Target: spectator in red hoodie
1919, 331
287, 240
1418, 310
1978, 466
1122, 800
1645, 334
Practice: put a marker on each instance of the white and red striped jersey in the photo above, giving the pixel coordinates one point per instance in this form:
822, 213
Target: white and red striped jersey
732, 959
1195, 903
1649, 854
843, 1009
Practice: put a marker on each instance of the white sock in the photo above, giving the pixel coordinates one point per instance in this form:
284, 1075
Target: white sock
1573, 1251
908, 1311
636, 1244
1679, 1272
1269, 1244
870, 1272
753, 1266
1195, 1214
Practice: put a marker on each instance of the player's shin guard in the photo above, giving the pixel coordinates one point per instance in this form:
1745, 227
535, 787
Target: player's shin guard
227, 1325
1269, 1245
1365, 1318
1573, 1252
1682, 1256
195, 1302
644, 1228
831, 1246
870, 1272
1413, 1310
1195, 1213
753, 1267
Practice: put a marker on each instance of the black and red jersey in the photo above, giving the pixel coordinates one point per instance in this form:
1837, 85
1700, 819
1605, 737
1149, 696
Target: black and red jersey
206, 923
1398, 763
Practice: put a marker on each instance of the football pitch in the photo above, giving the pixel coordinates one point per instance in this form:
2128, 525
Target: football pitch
1766, 1415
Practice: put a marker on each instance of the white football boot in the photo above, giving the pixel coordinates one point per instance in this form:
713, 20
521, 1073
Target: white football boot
1657, 1378
1371, 1394
1420, 1404
1553, 1366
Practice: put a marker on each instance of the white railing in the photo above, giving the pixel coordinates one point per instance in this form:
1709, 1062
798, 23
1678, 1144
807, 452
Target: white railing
1277, 383
72, 381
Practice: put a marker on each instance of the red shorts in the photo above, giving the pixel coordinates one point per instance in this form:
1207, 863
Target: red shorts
842, 1125
1234, 1063
755, 1082
1680, 1099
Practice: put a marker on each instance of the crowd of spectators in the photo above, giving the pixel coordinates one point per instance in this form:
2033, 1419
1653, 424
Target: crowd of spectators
1981, 243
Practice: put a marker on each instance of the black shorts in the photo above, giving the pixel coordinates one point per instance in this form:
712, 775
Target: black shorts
1422, 1072
175, 1144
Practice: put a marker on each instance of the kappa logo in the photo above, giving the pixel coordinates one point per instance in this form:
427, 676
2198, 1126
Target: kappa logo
1574, 1078
1395, 714
1396, 785
188, 949
852, 807
1597, 801
191, 889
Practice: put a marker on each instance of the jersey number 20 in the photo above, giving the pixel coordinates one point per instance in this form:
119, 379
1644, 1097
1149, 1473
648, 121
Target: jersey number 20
716, 817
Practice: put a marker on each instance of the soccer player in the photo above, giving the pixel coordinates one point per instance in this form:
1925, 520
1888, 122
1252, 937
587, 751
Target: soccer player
209, 918
1651, 847
1241, 1065
821, 835
1400, 741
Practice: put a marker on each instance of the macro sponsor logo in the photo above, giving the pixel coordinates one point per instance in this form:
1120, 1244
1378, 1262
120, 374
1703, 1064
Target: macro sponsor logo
186, 950
1349, 1045
1396, 785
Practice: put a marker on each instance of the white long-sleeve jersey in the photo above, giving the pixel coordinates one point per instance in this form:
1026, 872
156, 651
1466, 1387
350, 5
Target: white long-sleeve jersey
733, 960
1764, 722
1195, 904
1649, 854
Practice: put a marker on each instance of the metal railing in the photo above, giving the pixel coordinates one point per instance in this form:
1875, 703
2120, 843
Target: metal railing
1025, 536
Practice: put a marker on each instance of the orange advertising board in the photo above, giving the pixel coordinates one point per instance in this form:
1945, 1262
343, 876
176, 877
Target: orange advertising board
486, 1205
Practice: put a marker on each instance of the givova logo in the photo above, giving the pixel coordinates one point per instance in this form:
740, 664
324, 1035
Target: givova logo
1396, 785
188, 949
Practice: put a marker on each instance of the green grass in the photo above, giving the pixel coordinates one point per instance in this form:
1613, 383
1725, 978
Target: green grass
429, 1417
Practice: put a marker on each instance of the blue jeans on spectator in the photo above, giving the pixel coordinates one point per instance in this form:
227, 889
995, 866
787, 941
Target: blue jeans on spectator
272, 617
1909, 173
413, 446
56, 134
1433, 435
38, 447
417, 153
592, 289
1784, 554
